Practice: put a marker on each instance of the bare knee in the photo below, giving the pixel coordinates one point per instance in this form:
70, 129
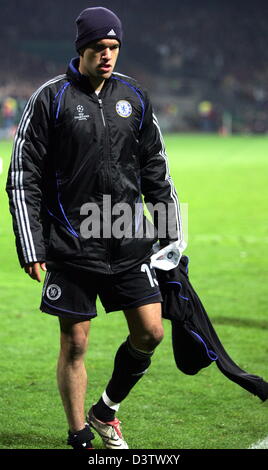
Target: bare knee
145, 326
73, 342
149, 340
74, 348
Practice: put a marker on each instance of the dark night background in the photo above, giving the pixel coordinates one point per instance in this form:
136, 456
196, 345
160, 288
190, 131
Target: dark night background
196, 58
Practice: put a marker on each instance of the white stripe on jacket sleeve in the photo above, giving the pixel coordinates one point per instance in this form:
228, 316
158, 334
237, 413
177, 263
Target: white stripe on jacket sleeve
173, 192
18, 193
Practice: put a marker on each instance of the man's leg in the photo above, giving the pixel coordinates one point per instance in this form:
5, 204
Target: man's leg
145, 326
131, 362
133, 357
72, 377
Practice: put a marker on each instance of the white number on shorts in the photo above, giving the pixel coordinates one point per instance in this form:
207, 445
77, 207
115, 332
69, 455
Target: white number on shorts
146, 269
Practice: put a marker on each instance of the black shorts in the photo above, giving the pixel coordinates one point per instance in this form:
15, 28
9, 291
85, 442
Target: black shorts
73, 293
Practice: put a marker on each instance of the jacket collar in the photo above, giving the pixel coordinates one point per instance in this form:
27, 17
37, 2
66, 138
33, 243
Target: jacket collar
80, 80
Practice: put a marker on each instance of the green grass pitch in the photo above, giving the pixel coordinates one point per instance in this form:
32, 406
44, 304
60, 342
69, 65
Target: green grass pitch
224, 182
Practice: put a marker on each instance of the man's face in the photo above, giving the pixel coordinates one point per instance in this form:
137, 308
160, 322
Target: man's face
99, 59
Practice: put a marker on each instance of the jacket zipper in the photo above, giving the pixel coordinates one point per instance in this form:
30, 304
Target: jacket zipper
107, 185
102, 113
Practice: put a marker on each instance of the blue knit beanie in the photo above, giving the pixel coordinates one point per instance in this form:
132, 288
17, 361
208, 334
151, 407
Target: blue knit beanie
97, 23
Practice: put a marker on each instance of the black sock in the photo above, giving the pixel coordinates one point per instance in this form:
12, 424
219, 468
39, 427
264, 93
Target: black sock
130, 365
103, 412
81, 439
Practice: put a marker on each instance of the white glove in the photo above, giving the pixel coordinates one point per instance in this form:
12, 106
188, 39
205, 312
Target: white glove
168, 257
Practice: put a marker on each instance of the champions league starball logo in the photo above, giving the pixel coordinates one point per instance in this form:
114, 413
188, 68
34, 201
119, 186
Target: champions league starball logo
81, 115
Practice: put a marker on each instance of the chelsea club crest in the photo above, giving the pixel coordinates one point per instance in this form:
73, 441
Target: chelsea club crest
53, 292
123, 108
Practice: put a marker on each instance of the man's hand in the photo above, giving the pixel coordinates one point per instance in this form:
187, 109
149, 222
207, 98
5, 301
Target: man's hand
33, 269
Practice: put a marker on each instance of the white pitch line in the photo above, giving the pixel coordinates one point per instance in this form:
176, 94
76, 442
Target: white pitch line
263, 444
210, 237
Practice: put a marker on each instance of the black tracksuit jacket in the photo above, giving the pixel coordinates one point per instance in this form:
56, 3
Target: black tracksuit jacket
71, 148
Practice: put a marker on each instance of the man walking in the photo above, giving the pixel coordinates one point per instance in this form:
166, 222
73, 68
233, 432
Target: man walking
90, 136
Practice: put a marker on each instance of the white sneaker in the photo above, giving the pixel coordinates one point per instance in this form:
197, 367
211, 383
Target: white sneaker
109, 432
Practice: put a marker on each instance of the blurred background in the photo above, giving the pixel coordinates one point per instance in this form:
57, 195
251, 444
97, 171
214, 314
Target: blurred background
205, 65
204, 62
